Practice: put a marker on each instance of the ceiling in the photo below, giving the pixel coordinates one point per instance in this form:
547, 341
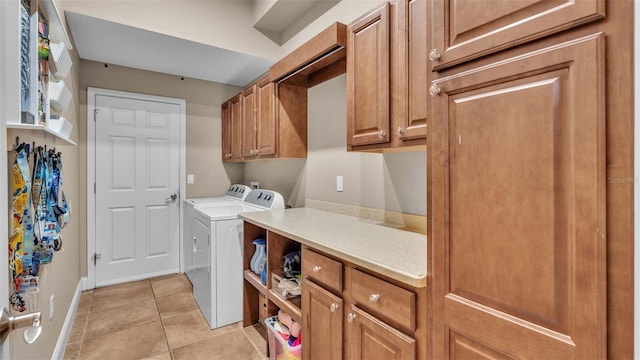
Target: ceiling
108, 42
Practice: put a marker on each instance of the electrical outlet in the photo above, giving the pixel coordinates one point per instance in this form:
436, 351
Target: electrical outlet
255, 185
191, 179
51, 308
339, 185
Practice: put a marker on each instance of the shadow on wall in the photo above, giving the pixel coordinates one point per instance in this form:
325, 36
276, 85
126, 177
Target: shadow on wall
286, 176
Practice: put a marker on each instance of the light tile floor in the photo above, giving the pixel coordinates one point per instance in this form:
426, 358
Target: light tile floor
155, 319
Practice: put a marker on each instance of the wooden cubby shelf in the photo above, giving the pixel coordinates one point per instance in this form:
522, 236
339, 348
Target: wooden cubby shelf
254, 280
290, 306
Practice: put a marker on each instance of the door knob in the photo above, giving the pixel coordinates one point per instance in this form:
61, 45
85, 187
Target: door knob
9, 323
173, 197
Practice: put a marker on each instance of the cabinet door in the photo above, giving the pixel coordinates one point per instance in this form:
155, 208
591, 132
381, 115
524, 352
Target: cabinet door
226, 130
410, 82
249, 122
467, 29
370, 338
368, 79
322, 323
236, 128
267, 125
518, 206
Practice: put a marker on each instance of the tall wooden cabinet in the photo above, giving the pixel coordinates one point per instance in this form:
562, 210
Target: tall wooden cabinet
525, 129
521, 252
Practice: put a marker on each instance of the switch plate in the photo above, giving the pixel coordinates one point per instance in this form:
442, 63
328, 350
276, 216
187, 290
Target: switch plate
339, 186
191, 179
51, 308
255, 185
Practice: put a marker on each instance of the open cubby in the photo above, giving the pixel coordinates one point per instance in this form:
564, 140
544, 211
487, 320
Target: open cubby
277, 247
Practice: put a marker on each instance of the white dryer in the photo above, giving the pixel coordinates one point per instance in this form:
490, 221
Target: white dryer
217, 274
235, 195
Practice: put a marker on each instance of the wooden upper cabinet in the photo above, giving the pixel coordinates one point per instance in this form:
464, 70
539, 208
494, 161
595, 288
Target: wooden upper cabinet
518, 204
226, 130
235, 137
249, 122
467, 29
368, 78
267, 127
409, 81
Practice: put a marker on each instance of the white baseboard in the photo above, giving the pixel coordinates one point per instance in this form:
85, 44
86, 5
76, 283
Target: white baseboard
65, 333
85, 284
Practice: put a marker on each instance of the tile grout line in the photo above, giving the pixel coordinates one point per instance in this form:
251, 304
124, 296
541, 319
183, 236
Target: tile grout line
164, 331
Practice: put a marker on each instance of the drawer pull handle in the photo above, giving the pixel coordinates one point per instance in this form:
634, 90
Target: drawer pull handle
333, 307
351, 317
374, 297
316, 268
434, 90
434, 55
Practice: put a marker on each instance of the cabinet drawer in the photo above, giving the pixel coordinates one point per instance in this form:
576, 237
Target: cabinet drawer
322, 270
385, 300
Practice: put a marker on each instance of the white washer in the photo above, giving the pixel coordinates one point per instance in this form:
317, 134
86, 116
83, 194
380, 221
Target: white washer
235, 195
217, 274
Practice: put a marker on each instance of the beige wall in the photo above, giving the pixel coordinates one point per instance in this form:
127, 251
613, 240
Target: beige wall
203, 98
394, 182
59, 278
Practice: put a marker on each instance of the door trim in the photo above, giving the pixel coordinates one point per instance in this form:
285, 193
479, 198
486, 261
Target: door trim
636, 186
91, 169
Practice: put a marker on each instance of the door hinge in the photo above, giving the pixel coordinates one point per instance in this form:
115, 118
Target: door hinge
95, 114
95, 258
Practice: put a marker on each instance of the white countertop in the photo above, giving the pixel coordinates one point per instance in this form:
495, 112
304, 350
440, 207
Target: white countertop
398, 254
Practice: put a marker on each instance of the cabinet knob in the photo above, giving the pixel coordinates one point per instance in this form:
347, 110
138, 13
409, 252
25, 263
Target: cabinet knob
374, 297
333, 307
351, 317
434, 90
381, 134
316, 268
400, 131
434, 55
257, 151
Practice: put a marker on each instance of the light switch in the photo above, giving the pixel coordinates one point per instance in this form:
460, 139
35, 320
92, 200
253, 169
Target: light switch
339, 183
191, 179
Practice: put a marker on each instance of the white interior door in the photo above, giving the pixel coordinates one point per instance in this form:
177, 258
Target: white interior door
137, 162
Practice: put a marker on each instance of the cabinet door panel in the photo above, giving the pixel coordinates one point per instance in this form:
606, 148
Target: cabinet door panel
370, 338
226, 130
266, 119
411, 42
322, 323
236, 128
249, 122
519, 208
468, 29
368, 79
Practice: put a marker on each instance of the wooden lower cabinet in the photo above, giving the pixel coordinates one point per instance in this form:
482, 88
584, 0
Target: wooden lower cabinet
370, 338
518, 209
322, 323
